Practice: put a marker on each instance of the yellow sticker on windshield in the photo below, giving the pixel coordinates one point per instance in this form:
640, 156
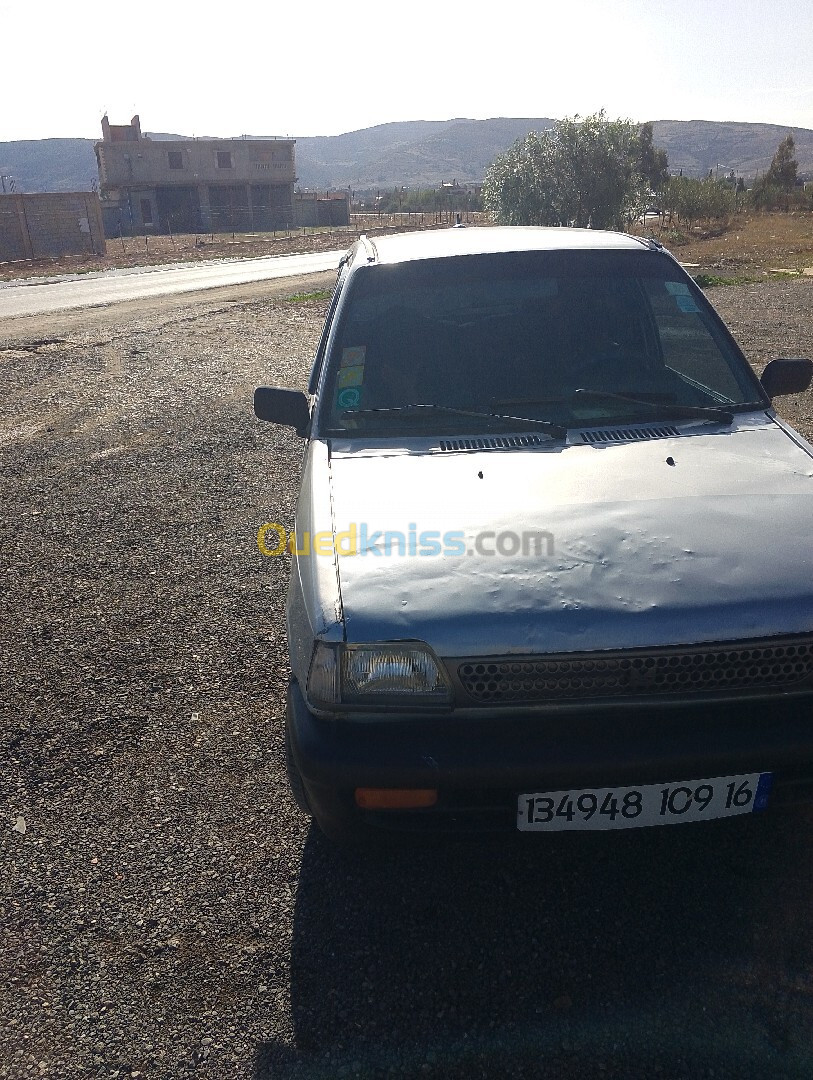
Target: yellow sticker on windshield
351, 376
353, 355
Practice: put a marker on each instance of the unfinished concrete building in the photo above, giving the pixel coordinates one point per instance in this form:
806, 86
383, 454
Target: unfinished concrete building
193, 185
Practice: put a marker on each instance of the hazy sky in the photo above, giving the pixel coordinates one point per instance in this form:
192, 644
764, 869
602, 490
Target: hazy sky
317, 68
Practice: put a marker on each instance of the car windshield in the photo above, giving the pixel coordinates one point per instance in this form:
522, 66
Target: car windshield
508, 340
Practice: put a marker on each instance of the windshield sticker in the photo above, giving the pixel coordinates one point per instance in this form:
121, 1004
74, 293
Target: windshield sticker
352, 376
686, 303
353, 355
349, 398
677, 288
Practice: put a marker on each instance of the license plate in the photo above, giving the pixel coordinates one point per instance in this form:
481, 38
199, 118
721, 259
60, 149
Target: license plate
644, 805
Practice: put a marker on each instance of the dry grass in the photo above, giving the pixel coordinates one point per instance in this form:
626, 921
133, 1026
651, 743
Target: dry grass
751, 246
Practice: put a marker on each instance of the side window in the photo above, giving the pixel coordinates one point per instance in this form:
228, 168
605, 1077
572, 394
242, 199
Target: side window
316, 370
690, 342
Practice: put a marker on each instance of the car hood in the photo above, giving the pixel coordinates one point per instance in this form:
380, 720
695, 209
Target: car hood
700, 537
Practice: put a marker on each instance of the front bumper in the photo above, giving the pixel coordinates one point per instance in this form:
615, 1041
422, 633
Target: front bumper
480, 765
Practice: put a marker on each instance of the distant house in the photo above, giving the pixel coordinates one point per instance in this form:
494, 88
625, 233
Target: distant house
193, 185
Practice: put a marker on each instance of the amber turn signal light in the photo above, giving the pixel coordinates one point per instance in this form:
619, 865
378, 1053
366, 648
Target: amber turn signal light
369, 798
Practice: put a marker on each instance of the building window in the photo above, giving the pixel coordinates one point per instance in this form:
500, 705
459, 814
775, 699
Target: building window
224, 159
146, 211
175, 159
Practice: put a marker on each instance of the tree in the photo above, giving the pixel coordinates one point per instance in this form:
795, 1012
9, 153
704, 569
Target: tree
691, 200
590, 171
782, 170
653, 163
774, 188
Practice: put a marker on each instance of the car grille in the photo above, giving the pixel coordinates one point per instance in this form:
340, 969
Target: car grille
678, 670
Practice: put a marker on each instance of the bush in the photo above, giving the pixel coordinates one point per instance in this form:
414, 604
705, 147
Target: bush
691, 200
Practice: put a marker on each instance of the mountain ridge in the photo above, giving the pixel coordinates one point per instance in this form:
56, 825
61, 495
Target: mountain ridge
424, 153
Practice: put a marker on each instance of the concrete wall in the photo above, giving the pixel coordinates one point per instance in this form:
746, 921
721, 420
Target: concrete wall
50, 224
312, 208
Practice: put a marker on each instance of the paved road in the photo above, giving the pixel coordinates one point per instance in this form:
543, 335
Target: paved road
112, 286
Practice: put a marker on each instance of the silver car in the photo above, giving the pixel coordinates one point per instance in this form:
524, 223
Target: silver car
551, 564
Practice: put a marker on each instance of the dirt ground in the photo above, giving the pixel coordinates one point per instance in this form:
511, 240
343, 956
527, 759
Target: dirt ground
751, 246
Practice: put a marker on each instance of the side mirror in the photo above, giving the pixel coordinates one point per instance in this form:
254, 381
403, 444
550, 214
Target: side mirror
280, 406
786, 377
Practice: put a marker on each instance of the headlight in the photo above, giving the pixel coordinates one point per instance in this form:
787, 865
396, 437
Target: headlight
395, 671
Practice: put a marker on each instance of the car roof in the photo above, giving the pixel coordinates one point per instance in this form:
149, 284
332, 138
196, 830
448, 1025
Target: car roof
443, 243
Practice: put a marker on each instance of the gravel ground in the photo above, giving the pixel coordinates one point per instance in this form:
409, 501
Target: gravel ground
166, 912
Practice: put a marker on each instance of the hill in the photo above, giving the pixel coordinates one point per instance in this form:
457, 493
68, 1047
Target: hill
49, 164
417, 154
422, 153
699, 145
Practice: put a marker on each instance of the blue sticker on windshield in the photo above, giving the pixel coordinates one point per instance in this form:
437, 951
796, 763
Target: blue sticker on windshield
686, 303
349, 398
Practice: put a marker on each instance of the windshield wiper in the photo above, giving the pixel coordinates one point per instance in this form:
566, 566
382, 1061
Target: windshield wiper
698, 412
557, 431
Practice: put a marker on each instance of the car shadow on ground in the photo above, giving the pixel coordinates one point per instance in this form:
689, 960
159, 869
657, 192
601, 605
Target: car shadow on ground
660, 952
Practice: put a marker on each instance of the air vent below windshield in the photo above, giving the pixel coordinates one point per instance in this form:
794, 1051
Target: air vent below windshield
492, 442
616, 435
